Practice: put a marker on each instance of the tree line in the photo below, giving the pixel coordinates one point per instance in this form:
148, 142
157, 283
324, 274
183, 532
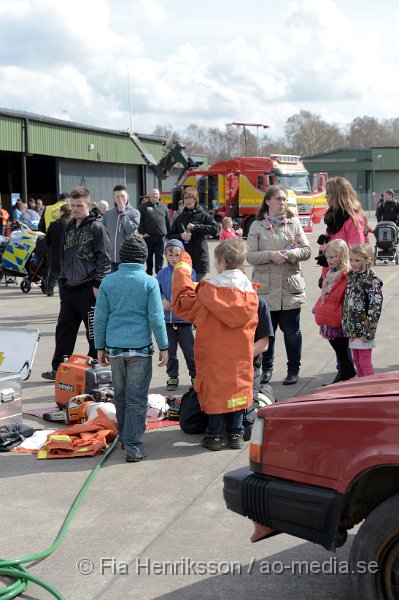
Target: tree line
305, 134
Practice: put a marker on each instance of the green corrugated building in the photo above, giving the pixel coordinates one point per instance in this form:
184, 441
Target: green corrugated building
41, 156
370, 170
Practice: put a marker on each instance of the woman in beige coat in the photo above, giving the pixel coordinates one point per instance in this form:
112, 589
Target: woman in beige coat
276, 246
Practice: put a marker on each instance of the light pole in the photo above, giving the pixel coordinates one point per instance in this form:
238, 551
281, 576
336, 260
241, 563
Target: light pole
377, 166
238, 135
373, 194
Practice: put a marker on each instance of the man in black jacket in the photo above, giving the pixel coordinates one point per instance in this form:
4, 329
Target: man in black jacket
85, 261
388, 208
154, 226
53, 241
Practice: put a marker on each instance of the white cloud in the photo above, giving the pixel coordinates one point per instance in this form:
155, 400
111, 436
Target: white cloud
206, 63
15, 8
152, 12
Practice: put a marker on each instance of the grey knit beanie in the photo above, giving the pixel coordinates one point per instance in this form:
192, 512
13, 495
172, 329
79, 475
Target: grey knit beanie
133, 250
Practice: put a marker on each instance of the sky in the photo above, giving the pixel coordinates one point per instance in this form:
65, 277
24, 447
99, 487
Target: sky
136, 64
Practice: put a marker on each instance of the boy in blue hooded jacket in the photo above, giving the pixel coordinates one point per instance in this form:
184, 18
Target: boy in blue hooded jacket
180, 332
128, 311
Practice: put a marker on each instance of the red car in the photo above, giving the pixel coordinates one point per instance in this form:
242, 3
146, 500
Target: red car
322, 463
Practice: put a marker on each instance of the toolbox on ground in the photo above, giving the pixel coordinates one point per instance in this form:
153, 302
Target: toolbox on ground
17, 351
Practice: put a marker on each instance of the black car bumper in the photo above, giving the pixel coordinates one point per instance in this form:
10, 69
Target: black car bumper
305, 511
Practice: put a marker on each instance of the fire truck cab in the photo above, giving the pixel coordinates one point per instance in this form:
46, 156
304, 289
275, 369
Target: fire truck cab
235, 188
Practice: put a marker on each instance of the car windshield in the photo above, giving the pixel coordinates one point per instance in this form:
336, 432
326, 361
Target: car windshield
299, 183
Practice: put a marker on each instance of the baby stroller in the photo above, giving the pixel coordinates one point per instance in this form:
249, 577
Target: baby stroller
386, 242
25, 256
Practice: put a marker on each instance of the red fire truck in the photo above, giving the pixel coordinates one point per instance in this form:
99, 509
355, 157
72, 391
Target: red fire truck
235, 187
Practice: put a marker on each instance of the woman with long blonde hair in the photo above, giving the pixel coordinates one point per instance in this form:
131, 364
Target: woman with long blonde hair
344, 217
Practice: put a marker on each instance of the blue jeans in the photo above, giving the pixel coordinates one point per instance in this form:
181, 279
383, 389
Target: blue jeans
155, 244
131, 377
288, 321
257, 363
226, 422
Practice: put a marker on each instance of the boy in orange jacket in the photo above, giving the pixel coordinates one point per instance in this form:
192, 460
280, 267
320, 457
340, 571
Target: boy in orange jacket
224, 311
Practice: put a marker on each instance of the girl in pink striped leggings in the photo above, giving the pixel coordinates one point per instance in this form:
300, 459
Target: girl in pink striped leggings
362, 307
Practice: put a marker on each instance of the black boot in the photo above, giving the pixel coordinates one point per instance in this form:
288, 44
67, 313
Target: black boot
290, 379
266, 376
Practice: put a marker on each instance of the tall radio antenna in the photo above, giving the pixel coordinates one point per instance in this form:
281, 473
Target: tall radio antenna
130, 98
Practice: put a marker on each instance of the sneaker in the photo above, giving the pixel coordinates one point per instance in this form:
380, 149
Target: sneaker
212, 443
173, 411
172, 414
236, 441
172, 384
135, 458
50, 375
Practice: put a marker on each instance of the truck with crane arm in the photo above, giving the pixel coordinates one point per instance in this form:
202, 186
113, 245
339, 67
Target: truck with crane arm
235, 188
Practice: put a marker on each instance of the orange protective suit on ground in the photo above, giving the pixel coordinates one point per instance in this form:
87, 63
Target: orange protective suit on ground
226, 319
82, 439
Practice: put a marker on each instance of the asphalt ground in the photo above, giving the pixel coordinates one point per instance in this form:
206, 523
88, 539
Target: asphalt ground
159, 528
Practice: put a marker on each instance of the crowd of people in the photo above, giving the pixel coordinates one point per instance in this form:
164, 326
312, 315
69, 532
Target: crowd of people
104, 262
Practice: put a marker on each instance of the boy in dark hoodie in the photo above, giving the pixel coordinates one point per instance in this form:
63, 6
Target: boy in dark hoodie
85, 261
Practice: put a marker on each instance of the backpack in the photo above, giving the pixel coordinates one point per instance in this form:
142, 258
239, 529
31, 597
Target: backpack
12, 435
193, 420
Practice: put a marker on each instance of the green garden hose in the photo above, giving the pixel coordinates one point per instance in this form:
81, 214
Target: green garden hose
14, 569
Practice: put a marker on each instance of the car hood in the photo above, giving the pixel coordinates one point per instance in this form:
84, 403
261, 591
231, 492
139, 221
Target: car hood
383, 384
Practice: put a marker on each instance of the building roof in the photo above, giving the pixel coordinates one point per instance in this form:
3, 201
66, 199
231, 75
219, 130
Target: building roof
72, 124
347, 150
